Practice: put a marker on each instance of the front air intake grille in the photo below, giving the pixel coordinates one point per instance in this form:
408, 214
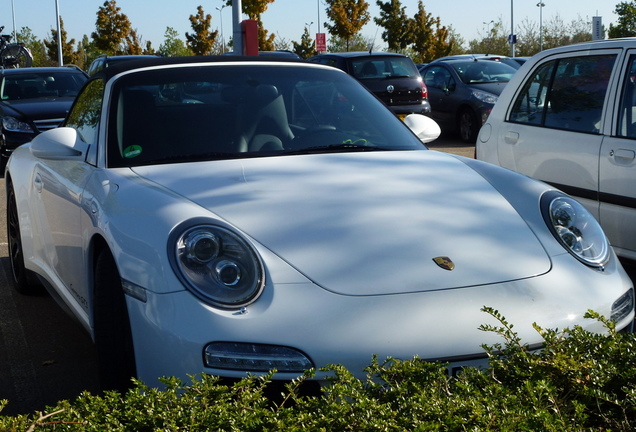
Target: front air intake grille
44, 125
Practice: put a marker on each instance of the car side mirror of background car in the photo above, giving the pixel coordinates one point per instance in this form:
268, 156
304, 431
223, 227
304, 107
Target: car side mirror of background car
61, 143
425, 128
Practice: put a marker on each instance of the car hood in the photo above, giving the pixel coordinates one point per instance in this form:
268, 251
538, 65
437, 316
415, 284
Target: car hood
36, 109
495, 88
368, 223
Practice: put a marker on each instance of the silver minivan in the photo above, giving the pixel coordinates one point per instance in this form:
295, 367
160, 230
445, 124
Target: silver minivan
568, 117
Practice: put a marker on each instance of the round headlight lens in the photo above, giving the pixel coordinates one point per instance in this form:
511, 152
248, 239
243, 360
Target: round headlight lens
576, 229
218, 266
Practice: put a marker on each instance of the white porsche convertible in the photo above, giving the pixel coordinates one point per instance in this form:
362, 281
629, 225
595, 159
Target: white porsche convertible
237, 215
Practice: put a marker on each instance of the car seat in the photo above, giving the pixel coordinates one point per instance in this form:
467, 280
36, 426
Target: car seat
262, 121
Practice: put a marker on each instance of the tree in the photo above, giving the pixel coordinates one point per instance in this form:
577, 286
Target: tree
626, 26
495, 41
132, 43
37, 47
356, 43
398, 28
306, 48
348, 17
172, 46
431, 40
112, 29
202, 41
69, 56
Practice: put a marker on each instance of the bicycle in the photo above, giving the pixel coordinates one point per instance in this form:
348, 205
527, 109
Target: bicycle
13, 55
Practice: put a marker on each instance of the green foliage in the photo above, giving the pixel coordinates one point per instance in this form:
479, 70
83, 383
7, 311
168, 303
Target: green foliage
626, 26
398, 28
172, 46
306, 48
69, 55
431, 40
112, 29
37, 47
579, 381
347, 18
202, 41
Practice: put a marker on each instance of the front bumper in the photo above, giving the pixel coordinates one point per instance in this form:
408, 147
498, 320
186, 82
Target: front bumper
423, 108
9, 141
171, 331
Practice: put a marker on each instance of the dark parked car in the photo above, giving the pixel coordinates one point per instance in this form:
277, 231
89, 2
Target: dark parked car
34, 100
393, 78
103, 61
463, 92
514, 62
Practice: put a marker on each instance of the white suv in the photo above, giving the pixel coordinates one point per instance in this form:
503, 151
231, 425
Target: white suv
568, 117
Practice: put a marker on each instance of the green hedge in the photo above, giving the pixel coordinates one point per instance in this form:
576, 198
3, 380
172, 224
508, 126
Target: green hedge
580, 381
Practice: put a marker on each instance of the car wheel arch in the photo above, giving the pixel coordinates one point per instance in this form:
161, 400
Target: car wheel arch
109, 319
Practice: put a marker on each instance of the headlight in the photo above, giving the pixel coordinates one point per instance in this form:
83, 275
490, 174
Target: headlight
575, 228
14, 125
485, 97
217, 265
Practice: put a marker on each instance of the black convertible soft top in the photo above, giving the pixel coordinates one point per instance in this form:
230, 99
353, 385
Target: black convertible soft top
107, 73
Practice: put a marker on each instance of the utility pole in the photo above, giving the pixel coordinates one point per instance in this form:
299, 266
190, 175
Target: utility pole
237, 31
60, 59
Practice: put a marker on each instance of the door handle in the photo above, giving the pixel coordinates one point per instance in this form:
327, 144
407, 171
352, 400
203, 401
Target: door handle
623, 156
511, 137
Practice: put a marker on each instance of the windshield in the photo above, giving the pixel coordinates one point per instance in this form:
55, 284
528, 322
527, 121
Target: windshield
39, 85
481, 72
223, 111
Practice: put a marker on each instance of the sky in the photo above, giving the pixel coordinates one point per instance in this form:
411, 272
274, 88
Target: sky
288, 18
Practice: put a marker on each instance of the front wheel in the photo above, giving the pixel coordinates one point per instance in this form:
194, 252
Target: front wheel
468, 126
23, 280
113, 338
16, 56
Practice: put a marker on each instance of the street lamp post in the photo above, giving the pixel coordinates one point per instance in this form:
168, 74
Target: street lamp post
512, 29
60, 58
309, 27
488, 34
540, 5
220, 9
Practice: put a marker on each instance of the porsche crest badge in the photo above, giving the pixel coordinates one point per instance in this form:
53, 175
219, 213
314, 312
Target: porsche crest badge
444, 262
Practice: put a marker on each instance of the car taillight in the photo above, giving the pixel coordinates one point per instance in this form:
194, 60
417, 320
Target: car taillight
424, 91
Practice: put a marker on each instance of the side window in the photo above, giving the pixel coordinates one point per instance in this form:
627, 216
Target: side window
567, 93
437, 77
85, 113
627, 117
531, 102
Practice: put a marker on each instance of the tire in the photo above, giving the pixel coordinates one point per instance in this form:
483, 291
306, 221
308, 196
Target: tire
23, 280
467, 126
113, 337
16, 56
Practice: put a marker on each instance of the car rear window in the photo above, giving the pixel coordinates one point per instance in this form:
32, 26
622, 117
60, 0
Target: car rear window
383, 67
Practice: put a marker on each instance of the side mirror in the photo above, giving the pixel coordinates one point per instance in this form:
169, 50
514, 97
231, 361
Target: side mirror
59, 144
425, 128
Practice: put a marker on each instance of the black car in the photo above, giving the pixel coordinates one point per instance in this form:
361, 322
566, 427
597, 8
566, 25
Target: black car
33, 100
103, 61
463, 92
393, 78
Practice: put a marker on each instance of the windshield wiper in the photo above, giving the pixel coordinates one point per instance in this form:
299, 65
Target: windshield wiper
333, 148
193, 157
